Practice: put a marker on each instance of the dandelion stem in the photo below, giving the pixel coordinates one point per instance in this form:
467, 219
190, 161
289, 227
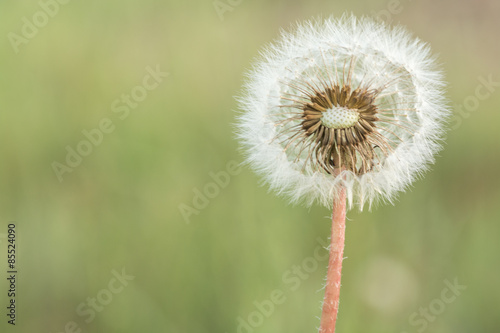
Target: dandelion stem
332, 290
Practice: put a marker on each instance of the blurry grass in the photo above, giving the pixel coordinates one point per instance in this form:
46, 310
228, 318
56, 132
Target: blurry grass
120, 207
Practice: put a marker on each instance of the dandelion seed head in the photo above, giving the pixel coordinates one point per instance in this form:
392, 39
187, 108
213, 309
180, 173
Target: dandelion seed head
342, 103
339, 117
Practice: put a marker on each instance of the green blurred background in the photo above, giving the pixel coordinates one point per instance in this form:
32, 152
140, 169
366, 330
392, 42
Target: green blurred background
120, 208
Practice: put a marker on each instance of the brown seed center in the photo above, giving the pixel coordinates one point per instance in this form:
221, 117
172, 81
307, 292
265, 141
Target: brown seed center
342, 125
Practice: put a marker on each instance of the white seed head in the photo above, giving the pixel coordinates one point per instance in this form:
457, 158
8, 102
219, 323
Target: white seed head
339, 117
343, 103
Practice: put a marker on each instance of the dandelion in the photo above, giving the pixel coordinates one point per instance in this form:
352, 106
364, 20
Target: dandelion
345, 113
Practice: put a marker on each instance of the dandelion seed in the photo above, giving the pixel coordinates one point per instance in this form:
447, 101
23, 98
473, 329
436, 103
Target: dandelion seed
345, 113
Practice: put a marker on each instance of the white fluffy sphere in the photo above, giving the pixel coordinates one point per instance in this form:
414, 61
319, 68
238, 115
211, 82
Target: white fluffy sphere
342, 103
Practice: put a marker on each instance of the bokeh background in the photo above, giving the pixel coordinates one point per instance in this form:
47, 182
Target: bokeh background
120, 208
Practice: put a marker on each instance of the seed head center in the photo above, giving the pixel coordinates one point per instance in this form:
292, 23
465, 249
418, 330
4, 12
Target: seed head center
340, 117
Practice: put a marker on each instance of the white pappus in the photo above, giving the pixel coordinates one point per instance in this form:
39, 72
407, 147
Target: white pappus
342, 103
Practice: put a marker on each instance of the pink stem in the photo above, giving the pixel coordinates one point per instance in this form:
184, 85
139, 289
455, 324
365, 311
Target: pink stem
332, 290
